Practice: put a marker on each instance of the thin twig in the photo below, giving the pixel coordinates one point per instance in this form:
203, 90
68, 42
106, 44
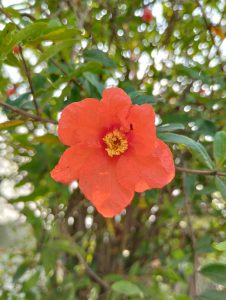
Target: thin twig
83, 262
201, 172
187, 206
205, 21
8, 16
91, 273
208, 27
26, 69
185, 92
171, 24
28, 16
26, 114
27, 72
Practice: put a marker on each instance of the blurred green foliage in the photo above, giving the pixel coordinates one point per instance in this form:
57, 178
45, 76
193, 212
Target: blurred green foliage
53, 244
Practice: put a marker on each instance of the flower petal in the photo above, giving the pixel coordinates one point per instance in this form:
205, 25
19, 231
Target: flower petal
146, 172
80, 122
116, 105
69, 164
143, 133
115, 95
99, 184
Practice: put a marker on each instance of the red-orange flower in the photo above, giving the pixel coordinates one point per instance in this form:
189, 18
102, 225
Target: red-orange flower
113, 151
147, 15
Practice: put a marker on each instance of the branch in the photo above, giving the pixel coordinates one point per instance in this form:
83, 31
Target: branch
28, 16
201, 172
205, 21
27, 72
8, 16
83, 262
187, 206
171, 25
91, 273
185, 92
208, 27
74, 201
26, 115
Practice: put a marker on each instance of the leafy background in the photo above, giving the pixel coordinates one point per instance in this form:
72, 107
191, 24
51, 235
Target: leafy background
169, 244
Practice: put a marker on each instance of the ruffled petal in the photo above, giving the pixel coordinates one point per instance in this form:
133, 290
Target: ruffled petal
146, 172
99, 184
143, 134
115, 106
70, 164
80, 122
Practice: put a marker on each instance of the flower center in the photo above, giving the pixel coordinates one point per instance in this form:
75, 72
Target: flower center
116, 143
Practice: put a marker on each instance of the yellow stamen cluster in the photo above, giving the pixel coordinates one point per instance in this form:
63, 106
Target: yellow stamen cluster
116, 143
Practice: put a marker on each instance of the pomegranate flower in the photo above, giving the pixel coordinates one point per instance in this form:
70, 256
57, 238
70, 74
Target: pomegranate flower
114, 151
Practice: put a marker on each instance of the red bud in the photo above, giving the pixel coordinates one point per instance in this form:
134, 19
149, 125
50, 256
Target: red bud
147, 15
16, 49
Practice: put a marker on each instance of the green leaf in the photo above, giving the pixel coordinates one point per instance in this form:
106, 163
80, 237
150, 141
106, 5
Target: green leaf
39, 82
48, 261
54, 22
170, 127
220, 246
22, 269
11, 124
196, 148
34, 33
60, 33
221, 186
212, 295
11, 12
31, 31
206, 127
47, 139
216, 272
5, 34
12, 61
127, 288
21, 102
66, 246
91, 66
53, 50
92, 78
32, 281
139, 98
219, 148
55, 247
182, 297
99, 56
